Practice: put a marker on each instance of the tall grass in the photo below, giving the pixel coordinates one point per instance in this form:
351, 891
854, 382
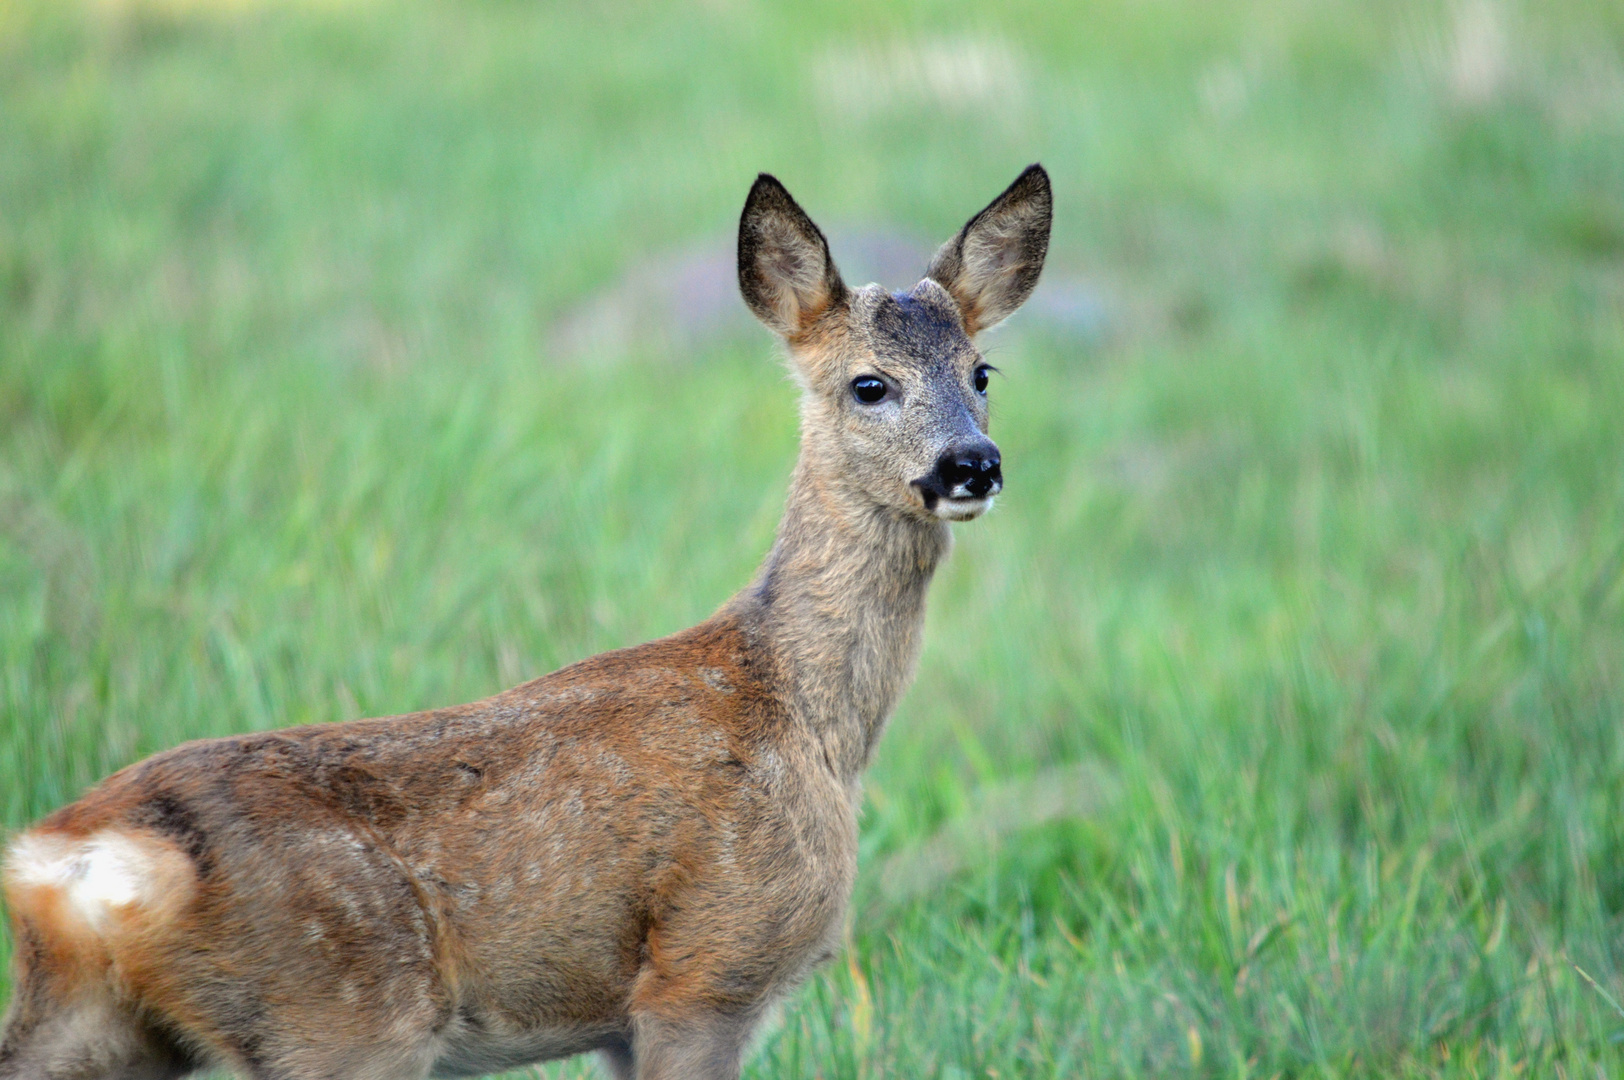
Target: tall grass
1271, 726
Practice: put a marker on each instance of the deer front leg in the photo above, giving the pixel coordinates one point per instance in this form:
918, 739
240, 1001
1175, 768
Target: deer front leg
701, 1046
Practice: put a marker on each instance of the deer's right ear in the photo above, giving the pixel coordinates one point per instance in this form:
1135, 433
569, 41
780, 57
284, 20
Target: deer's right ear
785, 272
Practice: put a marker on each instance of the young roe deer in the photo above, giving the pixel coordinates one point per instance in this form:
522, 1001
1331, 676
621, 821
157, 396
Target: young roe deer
634, 855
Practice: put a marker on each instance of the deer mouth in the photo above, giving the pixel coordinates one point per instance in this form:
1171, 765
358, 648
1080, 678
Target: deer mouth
967, 508
956, 504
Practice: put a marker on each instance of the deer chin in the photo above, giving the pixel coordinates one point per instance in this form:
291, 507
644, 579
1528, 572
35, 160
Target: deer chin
967, 509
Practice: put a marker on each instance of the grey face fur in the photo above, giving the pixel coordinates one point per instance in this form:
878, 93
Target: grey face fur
921, 447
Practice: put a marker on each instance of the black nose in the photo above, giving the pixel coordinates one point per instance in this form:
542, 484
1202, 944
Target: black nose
971, 471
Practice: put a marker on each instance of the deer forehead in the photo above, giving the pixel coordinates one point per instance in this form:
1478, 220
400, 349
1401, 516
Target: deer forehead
919, 330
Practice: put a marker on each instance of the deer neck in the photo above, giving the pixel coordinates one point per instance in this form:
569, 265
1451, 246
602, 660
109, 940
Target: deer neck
840, 602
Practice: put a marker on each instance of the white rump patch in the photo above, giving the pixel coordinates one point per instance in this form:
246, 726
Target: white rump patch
97, 875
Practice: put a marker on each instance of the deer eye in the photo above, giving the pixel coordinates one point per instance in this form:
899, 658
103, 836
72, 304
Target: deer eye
981, 379
868, 389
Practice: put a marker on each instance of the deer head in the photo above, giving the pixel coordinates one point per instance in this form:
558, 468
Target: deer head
894, 406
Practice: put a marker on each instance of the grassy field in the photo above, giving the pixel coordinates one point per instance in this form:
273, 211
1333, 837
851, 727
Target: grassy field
1272, 726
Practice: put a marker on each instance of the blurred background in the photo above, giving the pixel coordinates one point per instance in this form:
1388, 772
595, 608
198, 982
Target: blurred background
359, 357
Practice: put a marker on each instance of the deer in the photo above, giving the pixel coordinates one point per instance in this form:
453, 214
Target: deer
637, 855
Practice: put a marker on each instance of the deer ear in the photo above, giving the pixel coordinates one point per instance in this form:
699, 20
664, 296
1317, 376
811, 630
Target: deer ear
992, 265
785, 272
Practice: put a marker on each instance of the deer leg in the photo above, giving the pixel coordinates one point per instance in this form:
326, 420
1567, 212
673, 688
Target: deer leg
90, 1041
704, 1046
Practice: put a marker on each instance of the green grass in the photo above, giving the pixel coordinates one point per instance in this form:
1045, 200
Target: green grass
1272, 726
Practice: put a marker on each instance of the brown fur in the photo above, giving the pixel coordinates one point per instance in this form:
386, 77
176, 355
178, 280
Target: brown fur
634, 855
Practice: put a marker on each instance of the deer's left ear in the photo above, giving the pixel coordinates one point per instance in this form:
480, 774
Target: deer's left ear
993, 264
